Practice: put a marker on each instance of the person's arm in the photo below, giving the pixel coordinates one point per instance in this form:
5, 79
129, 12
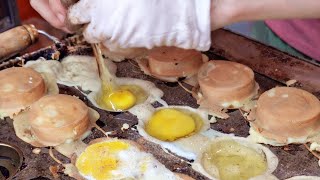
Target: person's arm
225, 12
181, 23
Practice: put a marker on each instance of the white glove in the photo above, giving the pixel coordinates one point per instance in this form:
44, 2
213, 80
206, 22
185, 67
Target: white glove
145, 23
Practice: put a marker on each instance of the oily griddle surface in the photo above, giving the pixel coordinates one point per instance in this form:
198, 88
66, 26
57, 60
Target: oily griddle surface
293, 159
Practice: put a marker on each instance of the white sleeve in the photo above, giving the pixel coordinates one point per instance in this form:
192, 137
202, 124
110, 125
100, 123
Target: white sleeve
145, 23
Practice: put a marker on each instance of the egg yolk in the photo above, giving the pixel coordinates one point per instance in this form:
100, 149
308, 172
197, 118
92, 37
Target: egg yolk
120, 98
99, 159
116, 100
171, 124
233, 161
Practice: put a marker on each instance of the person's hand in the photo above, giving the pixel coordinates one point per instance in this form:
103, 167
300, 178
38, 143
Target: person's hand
52, 11
144, 23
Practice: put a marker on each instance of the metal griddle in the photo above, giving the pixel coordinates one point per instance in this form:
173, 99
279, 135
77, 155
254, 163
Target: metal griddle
272, 69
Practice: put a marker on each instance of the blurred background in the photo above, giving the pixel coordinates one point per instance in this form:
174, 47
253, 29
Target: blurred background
16, 12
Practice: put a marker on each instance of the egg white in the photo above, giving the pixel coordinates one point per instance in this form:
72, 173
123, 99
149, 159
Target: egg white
78, 71
192, 147
271, 159
154, 94
187, 147
136, 164
82, 72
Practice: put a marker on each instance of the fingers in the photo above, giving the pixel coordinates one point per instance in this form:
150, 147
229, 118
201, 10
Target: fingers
61, 12
80, 12
44, 8
58, 9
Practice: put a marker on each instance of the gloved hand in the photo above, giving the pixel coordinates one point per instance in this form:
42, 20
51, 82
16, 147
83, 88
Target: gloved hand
144, 23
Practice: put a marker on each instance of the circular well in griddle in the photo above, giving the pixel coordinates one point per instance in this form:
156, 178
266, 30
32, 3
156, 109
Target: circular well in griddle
10, 160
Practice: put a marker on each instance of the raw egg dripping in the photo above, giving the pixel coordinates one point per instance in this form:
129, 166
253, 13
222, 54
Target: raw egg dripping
122, 98
111, 96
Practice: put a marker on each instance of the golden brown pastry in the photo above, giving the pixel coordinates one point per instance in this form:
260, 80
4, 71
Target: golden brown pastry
54, 120
225, 85
19, 88
171, 63
287, 115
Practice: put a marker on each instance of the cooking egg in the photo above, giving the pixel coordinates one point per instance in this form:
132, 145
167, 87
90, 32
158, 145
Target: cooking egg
131, 93
225, 85
171, 63
286, 115
121, 98
180, 129
78, 71
118, 159
42, 65
20, 87
186, 132
228, 158
82, 72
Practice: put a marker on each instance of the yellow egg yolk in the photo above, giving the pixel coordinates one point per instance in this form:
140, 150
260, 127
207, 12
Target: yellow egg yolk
121, 98
116, 100
99, 159
233, 161
172, 124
